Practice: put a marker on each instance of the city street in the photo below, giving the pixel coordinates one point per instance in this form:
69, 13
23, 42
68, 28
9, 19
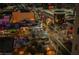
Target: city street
36, 29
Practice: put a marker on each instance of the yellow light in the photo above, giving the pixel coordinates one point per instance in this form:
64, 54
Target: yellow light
21, 52
51, 53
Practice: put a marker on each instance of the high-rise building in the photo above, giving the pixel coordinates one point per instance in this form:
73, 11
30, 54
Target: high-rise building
75, 47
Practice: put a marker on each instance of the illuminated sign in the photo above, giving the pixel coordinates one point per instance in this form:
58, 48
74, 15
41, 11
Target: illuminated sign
19, 16
4, 20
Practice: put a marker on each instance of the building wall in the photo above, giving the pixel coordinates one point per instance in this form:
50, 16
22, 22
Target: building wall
75, 47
